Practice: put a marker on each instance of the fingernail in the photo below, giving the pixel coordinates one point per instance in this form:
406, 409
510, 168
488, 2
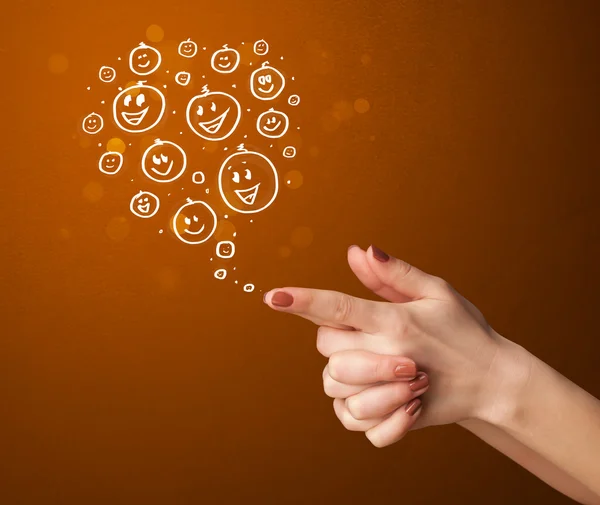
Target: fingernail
379, 255
282, 299
413, 407
265, 297
420, 382
407, 371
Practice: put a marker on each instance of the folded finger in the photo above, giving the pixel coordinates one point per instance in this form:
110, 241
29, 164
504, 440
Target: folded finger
395, 426
362, 367
332, 340
351, 424
335, 389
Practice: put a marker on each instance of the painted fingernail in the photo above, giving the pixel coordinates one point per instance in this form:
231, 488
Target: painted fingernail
282, 299
420, 382
413, 407
407, 371
379, 255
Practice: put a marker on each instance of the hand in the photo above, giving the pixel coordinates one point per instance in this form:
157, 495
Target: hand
428, 322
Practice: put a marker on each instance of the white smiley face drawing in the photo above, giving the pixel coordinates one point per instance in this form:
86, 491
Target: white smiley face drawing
195, 222
107, 74
144, 204
138, 108
144, 59
110, 162
261, 47
213, 115
272, 124
266, 82
164, 161
188, 48
225, 60
92, 123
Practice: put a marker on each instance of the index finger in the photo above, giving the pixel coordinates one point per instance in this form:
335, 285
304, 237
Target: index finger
330, 307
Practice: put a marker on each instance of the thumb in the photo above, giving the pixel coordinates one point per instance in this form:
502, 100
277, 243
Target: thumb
401, 276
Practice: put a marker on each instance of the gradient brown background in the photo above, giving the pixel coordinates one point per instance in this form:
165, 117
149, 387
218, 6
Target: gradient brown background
129, 375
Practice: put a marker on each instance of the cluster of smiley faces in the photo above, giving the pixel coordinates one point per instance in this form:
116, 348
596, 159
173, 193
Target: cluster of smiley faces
247, 180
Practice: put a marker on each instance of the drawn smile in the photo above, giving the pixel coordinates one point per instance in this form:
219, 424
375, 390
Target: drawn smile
195, 232
144, 65
247, 195
166, 172
214, 126
144, 209
268, 90
134, 118
270, 130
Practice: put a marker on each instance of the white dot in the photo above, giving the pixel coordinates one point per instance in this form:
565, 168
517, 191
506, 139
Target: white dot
233, 86
236, 282
234, 268
207, 191
251, 221
160, 231
174, 112
180, 133
102, 101
120, 88
99, 144
211, 259
88, 88
289, 182
293, 78
167, 71
164, 85
282, 57
245, 136
225, 216
119, 58
234, 233
248, 110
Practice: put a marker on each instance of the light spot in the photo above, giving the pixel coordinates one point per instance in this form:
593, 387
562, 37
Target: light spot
361, 105
294, 179
284, 251
117, 229
58, 63
224, 231
155, 33
116, 145
93, 191
64, 234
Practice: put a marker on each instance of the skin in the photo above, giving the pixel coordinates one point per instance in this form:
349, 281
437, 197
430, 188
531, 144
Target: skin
479, 379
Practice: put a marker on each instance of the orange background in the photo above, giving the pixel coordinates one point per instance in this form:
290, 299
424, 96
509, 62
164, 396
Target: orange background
129, 375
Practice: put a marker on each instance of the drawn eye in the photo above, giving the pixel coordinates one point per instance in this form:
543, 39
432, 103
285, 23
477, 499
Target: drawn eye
156, 160
200, 110
268, 78
236, 177
248, 174
187, 221
213, 107
145, 200
195, 219
140, 99
127, 101
261, 80
164, 158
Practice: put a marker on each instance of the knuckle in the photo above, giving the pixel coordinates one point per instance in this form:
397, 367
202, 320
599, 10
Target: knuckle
322, 341
336, 364
329, 386
442, 285
343, 308
354, 406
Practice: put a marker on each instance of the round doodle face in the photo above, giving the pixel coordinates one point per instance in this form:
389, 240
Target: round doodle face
195, 222
289, 152
272, 124
92, 123
182, 78
107, 74
261, 47
213, 115
225, 60
164, 161
138, 108
266, 83
144, 204
248, 182
188, 48
110, 162
143, 60
294, 100
225, 249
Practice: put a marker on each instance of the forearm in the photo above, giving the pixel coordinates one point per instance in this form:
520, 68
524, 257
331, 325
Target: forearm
547, 413
531, 461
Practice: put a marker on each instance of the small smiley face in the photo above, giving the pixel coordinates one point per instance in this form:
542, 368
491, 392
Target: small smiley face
272, 124
225, 60
92, 123
107, 74
183, 78
225, 249
220, 274
289, 152
266, 83
144, 204
261, 47
195, 222
138, 108
294, 100
110, 162
143, 60
188, 48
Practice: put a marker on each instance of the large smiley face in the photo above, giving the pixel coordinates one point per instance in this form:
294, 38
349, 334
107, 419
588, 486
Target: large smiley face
261, 47
164, 161
144, 204
248, 182
266, 83
143, 59
195, 222
188, 48
138, 108
107, 74
92, 123
225, 60
110, 162
272, 124
213, 115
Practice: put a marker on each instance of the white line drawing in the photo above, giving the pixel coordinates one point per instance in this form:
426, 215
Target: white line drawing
289, 152
182, 78
225, 249
107, 74
237, 181
188, 48
225, 60
197, 223
219, 113
164, 161
272, 124
261, 47
294, 100
220, 274
132, 105
248, 288
144, 59
266, 82
110, 162
144, 204
198, 175
92, 123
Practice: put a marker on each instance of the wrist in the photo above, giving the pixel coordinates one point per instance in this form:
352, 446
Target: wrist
506, 383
